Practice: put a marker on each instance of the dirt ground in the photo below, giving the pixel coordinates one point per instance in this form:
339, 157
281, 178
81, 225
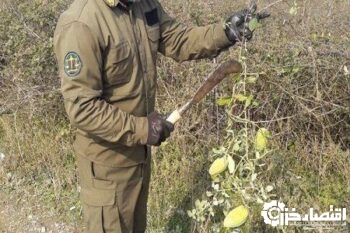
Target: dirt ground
17, 217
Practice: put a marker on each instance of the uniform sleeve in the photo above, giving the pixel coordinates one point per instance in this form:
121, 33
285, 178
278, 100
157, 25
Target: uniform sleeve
80, 63
187, 43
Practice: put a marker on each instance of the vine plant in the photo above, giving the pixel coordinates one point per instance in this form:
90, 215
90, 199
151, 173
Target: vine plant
237, 165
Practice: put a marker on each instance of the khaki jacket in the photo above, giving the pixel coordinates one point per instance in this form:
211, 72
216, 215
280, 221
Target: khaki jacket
107, 65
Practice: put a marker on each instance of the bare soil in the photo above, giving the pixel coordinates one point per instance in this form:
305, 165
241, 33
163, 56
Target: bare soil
17, 217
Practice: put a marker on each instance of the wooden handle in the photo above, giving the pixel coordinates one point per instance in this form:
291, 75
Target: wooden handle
174, 117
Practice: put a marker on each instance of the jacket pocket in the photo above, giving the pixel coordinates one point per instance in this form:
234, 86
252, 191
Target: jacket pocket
118, 64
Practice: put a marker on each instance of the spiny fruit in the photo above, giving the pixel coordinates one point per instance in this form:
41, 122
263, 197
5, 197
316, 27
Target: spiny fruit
218, 166
236, 217
261, 139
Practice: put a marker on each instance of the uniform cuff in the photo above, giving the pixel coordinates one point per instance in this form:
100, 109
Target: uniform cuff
220, 39
141, 130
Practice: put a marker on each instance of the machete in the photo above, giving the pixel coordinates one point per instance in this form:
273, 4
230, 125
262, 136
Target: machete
224, 69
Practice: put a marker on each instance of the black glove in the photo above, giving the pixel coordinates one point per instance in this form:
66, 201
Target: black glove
158, 129
237, 25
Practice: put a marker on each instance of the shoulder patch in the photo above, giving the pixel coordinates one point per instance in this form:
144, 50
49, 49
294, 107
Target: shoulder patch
152, 17
72, 64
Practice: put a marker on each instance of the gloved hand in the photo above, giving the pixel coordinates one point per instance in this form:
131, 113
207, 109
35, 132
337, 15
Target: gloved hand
237, 25
158, 129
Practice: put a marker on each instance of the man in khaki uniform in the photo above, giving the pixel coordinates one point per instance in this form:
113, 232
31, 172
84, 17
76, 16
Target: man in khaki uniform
106, 52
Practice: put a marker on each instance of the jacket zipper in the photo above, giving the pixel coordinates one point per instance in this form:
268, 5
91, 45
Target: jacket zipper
133, 24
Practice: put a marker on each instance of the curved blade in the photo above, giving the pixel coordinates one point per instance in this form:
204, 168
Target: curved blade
224, 69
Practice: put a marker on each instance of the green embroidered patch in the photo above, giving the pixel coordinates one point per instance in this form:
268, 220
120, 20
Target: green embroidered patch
72, 64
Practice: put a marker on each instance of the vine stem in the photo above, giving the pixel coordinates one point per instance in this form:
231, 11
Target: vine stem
242, 51
270, 5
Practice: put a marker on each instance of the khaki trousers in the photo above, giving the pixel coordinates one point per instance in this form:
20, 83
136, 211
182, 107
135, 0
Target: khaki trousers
114, 200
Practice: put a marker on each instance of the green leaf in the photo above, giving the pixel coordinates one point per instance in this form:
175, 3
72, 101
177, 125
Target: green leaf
224, 101
241, 98
254, 176
261, 139
269, 188
254, 24
236, 146
209, 194
190, 214
198, 203
251, 80
293, 10
231, 165
249, 100
219, 151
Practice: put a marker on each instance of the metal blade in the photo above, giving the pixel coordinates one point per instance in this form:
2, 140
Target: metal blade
224, 69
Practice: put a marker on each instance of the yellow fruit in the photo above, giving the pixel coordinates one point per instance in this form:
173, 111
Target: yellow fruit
261, 139
218, 166
236, 217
